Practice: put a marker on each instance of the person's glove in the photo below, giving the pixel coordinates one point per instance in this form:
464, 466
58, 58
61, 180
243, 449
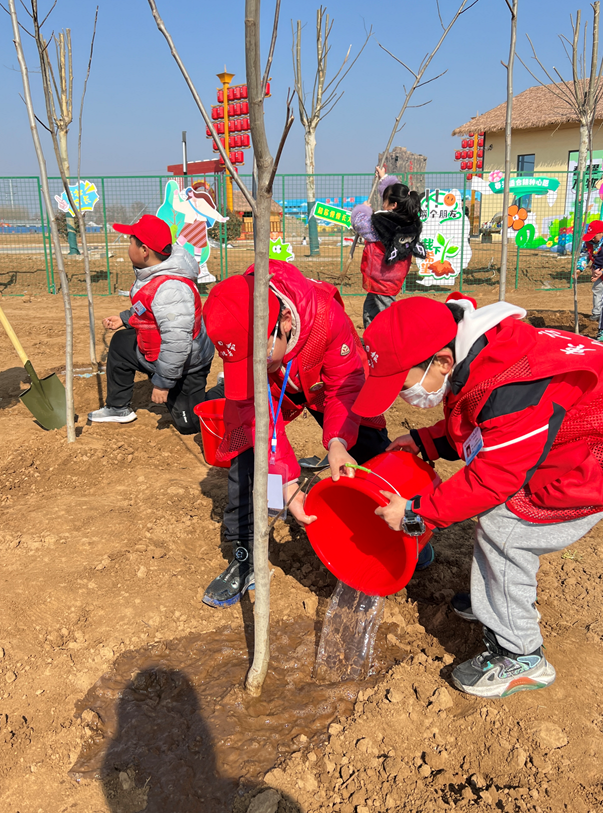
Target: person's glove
412, 523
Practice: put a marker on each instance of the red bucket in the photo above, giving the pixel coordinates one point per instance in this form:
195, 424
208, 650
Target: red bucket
357, 546
211, 418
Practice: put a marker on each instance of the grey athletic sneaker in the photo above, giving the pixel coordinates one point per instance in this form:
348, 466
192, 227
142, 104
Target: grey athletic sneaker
500, 673
112, 415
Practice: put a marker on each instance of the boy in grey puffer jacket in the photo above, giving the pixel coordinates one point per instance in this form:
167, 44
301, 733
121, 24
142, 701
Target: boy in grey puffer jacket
165, 336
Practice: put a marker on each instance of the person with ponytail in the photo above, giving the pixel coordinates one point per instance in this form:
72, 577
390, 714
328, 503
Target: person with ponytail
391, 236
523, 407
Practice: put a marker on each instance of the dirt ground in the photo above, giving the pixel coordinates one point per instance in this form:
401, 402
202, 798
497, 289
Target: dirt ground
106, 547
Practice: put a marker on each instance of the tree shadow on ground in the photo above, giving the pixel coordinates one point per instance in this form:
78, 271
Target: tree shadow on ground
162, 757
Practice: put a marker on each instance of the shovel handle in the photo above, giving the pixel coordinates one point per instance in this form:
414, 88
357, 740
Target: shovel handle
13, 337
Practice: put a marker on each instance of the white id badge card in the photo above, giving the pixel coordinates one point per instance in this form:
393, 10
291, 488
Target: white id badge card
275, 494
473, 445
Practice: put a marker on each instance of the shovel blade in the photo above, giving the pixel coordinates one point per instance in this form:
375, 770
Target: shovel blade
46, 401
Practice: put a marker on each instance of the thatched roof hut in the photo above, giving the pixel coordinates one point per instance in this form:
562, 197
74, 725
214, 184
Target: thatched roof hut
535, 108
242, 206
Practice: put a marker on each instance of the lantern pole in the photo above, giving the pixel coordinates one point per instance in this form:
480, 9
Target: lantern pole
473, 168
226, 79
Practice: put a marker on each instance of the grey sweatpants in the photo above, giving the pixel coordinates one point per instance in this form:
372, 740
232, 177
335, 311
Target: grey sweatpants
597, 297
373, 305
503, 574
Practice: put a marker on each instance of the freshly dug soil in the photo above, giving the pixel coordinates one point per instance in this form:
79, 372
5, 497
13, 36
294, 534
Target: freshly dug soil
107, 652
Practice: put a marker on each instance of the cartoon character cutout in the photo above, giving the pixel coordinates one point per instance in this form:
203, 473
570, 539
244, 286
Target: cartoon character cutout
445, 228
189, 213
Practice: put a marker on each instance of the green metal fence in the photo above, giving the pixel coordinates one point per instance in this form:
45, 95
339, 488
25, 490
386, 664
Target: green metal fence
540, 246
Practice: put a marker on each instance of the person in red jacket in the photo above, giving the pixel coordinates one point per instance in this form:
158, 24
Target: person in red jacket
523, 407
391, 237
315, 360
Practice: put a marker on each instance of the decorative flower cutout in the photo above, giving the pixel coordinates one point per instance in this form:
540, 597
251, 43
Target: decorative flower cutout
494, 176
516, 218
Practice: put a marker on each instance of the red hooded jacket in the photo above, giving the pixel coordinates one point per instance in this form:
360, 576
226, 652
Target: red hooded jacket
330, 385
537, 397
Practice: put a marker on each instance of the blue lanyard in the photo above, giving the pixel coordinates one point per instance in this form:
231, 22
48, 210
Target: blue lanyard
278, 409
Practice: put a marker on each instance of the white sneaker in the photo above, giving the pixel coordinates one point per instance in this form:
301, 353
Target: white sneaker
112, 415
204, 276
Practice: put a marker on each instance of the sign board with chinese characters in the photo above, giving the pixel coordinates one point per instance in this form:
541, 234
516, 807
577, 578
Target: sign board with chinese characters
594, 176
525, 186
332, 214
445, 227
85, 197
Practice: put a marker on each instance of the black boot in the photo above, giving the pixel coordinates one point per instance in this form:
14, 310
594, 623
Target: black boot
228, 588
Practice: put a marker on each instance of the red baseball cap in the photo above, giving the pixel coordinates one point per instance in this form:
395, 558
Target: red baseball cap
150, 230
404, 335
594, 227
228, 315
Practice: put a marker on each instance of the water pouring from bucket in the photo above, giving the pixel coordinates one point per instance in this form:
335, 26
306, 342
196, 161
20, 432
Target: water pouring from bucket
370, 560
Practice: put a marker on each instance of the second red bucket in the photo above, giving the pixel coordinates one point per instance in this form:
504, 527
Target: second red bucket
351, 541
211, 418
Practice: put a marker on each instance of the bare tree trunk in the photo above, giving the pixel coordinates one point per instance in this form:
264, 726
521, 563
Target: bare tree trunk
81, 218
504, 232
261, 654
53, 226
69, 220
579, 216
310, 144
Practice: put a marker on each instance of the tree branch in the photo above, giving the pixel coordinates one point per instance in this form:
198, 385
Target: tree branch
207, 119
289, 119
277, 12
425, 62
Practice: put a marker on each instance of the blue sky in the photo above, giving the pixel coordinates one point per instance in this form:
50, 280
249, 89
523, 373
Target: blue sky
138, 104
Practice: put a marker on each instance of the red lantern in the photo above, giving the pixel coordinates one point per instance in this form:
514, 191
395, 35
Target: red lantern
464, 143
482, 134
237, 92
462, 165
470, 135
238, 141
220, 96
214, 112
480, 153
208, 132
241, 157
245, 106
222, 161
267, 88
464, 154
244, 124
480, 141
480, 164
470, 154
245, 140
220, 127
221, 112
237, 109
243, 91
469, 176
457, 155
230, 94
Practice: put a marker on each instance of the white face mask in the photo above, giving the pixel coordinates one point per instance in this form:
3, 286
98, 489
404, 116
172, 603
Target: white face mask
418, 396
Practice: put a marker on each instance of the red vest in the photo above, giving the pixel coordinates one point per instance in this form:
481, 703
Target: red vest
312, 355
377, 276
145, 324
